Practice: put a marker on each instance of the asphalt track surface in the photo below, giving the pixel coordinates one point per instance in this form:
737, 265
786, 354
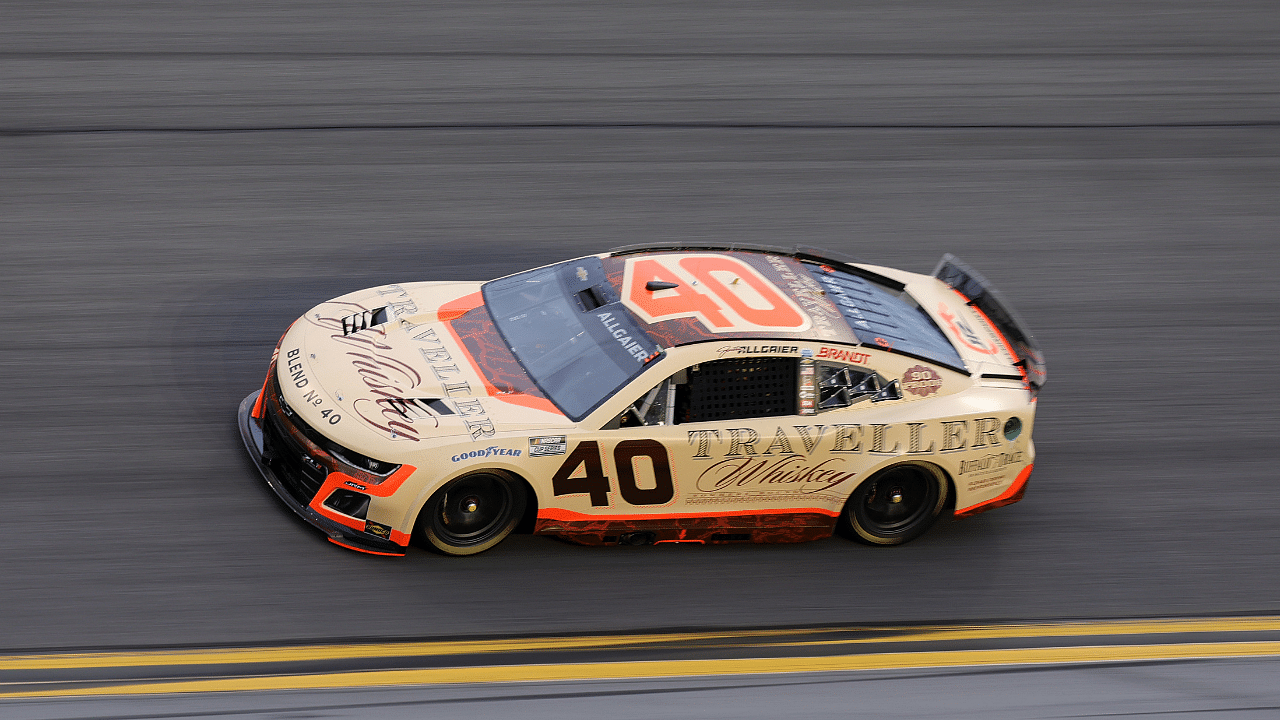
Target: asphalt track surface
179, 181
1220, 690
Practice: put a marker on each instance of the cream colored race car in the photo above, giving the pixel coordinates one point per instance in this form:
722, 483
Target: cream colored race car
651, 395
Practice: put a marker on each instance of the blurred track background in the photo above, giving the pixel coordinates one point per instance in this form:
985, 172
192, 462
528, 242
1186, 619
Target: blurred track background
180, 180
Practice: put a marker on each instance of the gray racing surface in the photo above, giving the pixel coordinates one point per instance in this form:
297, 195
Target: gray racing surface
179, 181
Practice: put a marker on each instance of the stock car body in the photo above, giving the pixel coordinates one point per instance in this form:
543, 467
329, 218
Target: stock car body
651, 395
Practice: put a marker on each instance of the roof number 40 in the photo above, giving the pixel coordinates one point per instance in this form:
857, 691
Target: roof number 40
724, 293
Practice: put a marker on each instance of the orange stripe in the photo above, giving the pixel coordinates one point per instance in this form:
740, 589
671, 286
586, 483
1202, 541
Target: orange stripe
1008, 497
455, 309
366, 552
256, 413
570, 516
1004, 341
336, 480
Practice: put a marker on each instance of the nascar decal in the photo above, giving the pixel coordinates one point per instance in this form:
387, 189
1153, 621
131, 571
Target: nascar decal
547, 445
724, 293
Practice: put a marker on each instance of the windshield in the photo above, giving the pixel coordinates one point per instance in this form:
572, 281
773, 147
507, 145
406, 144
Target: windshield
566, 326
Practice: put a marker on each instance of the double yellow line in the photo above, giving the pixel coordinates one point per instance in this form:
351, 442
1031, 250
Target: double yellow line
1093, 653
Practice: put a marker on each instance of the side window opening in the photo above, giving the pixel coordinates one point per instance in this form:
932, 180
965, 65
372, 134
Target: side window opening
656, 407
718, 390
753, 388
737, 389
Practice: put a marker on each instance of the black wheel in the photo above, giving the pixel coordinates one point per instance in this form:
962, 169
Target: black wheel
471, 514
895, 505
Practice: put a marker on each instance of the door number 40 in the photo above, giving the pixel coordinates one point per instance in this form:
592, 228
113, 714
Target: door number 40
596, 484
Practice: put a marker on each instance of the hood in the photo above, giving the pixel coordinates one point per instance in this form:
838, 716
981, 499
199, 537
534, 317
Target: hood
399, 365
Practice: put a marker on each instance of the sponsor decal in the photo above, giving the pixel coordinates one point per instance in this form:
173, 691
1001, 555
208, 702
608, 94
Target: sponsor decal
790, 472
315, 399
990, 463
619, 334
807, 391
293, 365
373, 528
853, 356
355, 485
547, 445
399, 307
988, 482
388, 380
921, 380
722, 292
759, 350
491, 451
848, 438
964, 333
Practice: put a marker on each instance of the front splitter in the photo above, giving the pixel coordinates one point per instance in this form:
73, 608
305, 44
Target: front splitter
338, 534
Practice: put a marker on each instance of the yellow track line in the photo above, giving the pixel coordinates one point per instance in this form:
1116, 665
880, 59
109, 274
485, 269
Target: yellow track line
1059, 630
305, 653
682, 668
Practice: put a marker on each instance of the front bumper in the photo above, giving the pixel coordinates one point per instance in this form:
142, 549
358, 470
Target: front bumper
251, 434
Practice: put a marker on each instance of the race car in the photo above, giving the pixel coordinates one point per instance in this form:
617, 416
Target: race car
647, 395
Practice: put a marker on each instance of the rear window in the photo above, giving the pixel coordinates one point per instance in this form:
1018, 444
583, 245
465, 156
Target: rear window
884, 318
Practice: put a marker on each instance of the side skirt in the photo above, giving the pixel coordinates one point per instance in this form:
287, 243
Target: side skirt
779, 527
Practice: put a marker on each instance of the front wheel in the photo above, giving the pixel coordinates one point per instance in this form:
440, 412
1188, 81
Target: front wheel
895, 505
472, 513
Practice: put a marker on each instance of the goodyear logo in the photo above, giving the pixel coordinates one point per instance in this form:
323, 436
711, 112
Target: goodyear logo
491, 451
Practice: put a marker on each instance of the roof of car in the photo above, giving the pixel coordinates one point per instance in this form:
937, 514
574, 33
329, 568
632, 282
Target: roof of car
688, 293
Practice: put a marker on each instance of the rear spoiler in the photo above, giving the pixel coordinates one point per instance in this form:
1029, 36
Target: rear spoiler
981, 296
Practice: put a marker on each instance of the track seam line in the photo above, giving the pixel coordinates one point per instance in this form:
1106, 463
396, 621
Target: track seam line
365, 127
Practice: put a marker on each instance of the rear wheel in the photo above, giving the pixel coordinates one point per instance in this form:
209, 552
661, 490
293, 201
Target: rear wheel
895, 505
472, 513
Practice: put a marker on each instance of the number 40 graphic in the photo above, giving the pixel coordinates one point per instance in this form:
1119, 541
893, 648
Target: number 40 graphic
595, 483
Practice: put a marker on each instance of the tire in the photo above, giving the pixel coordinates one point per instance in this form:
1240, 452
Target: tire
472, 513
895, 505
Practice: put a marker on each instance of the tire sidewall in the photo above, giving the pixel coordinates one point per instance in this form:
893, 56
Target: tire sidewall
424, 528
852, 526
